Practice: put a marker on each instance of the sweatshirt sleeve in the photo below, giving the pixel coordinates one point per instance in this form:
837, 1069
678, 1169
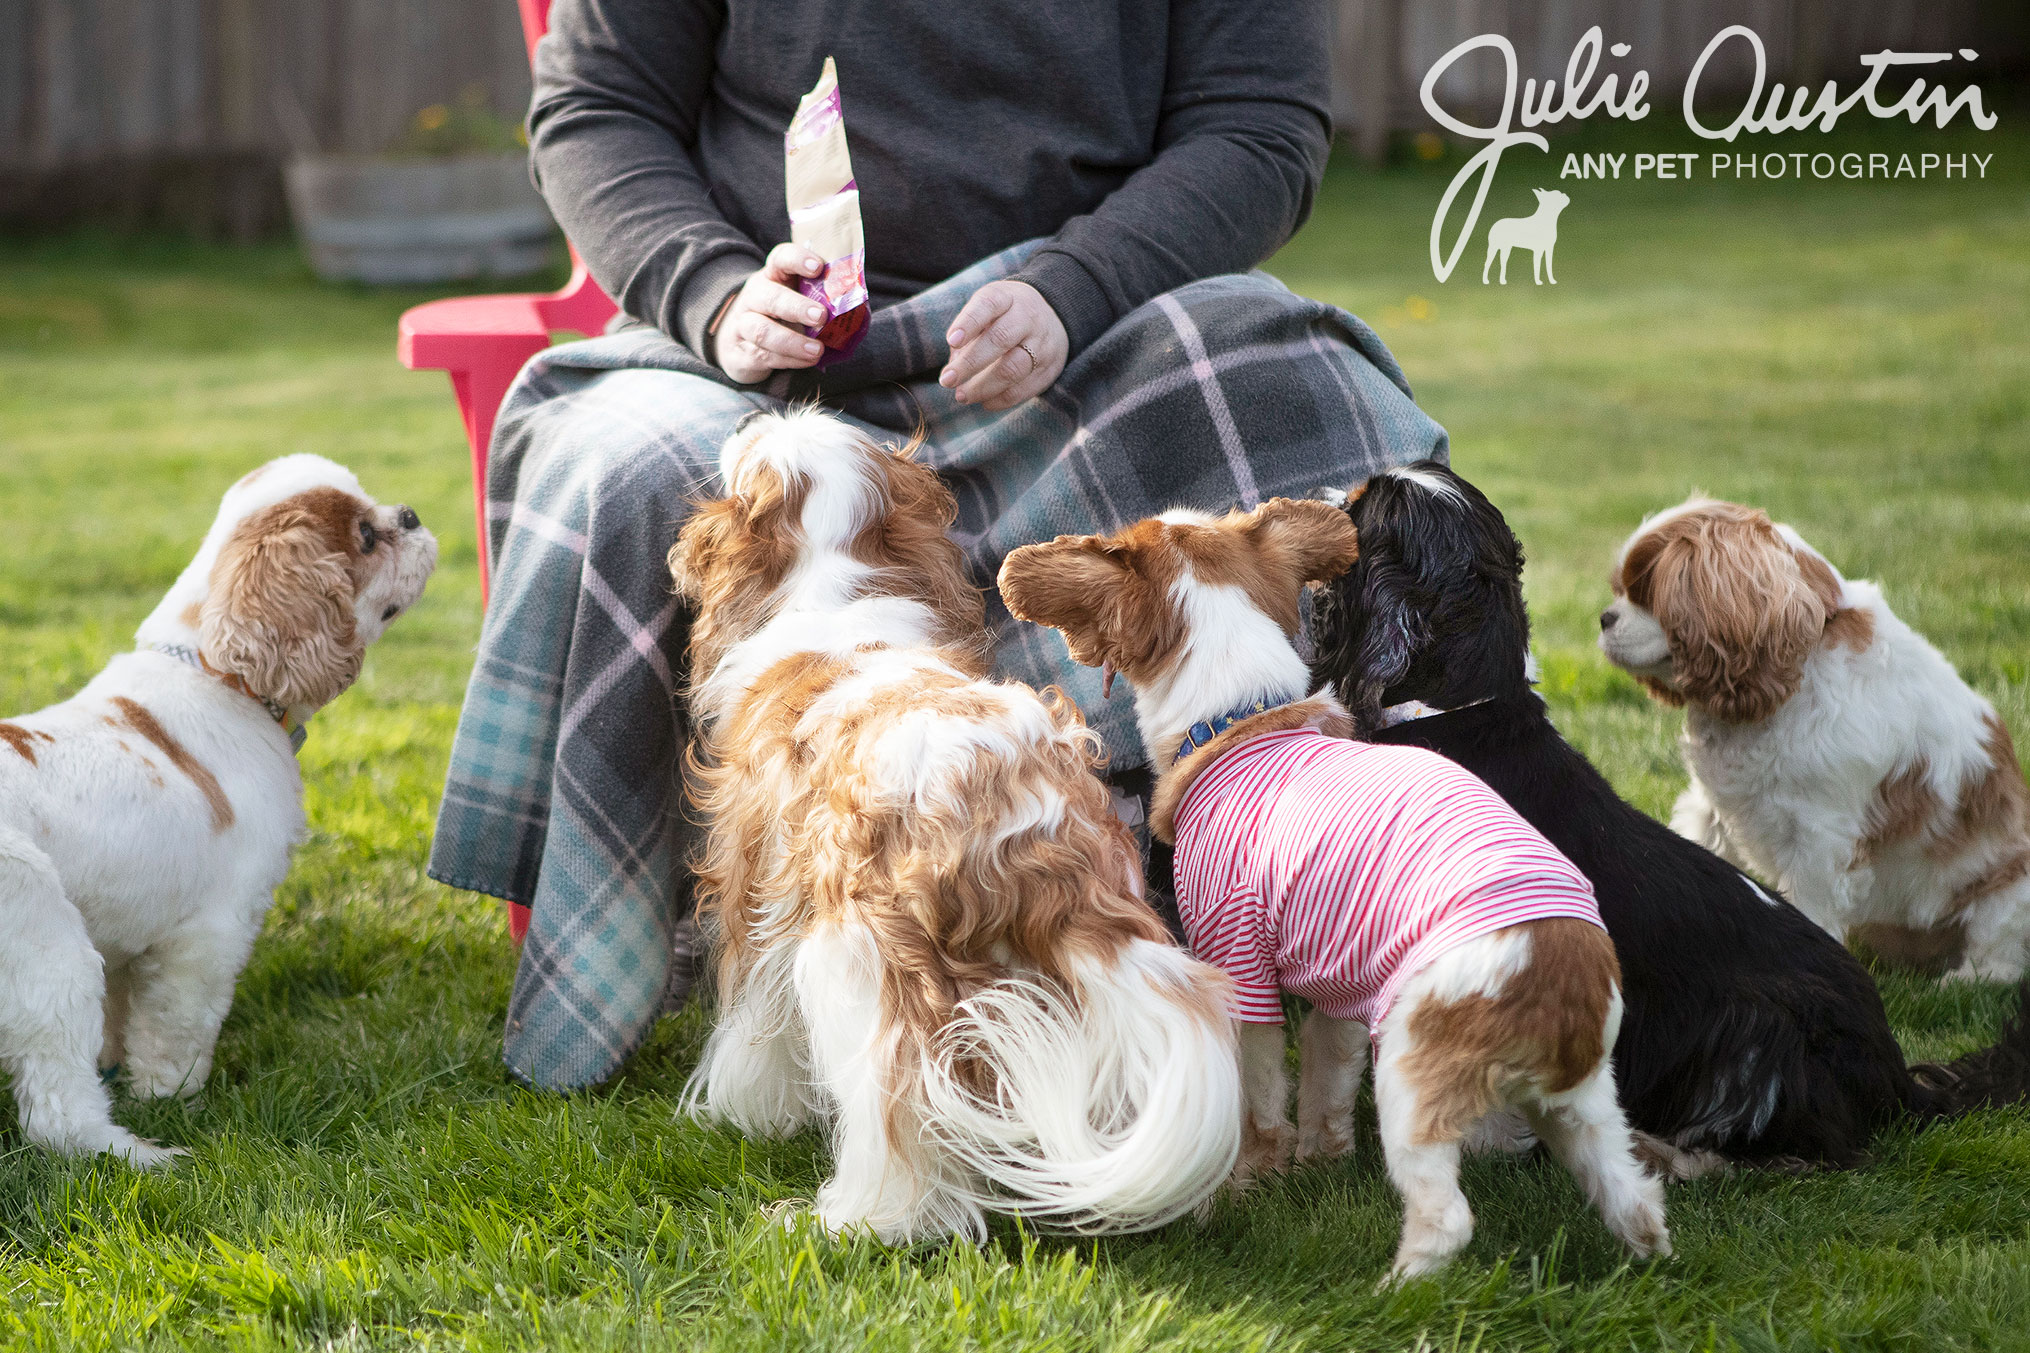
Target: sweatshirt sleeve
614, 118
1240, 148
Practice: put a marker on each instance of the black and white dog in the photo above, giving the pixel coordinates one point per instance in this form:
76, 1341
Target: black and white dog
1749, 1032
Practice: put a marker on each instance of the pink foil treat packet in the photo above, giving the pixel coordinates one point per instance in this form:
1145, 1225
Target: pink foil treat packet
824, 216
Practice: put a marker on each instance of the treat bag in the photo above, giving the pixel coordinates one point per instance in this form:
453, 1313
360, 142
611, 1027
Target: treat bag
824, 215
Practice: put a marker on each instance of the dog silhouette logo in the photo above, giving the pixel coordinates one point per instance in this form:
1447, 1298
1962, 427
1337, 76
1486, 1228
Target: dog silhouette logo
1538, 234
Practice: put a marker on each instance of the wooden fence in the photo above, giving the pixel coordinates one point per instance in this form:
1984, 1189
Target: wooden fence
183, 109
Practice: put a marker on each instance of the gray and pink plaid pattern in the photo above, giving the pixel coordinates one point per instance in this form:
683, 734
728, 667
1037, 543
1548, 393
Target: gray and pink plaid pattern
562, 791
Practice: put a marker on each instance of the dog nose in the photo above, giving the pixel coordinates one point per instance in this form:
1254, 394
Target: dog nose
407, 519
1607, 619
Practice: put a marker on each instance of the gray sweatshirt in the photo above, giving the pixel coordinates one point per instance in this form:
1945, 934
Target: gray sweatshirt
1154, 141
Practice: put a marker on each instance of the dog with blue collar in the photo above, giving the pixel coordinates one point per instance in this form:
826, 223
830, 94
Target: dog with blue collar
1376, 883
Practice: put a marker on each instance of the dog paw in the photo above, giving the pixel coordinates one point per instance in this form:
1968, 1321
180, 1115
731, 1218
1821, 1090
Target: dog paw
1264, 1151
1675, 1164
1433, 1235
116, 1141
141, 1153
1790, 1165
1409, 1266
162, 1083
1649, 1238
102, 1137
1324, 1141
1637, 1220
1985, 972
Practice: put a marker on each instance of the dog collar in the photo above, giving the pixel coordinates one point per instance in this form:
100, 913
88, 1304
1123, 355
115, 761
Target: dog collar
1411, 710
1205, 730
184, 653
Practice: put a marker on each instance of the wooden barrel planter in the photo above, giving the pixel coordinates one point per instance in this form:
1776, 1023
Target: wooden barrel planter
407, 220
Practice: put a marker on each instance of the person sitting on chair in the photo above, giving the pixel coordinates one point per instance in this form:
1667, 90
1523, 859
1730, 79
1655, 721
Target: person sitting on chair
1063, 204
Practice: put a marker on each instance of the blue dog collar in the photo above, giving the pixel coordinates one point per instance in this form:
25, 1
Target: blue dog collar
1205, 730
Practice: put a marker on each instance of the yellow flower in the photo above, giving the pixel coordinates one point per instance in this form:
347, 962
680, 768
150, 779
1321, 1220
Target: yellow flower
433, 117
1430, 145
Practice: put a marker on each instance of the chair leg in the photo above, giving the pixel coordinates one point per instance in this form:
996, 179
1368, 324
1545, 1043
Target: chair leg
479, 389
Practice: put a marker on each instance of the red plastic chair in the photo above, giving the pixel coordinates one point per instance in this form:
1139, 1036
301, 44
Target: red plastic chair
482, 341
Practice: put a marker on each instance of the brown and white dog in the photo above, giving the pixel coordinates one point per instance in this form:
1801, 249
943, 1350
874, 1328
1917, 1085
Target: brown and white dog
1832, 749
1357, 876
145, 822
929, 924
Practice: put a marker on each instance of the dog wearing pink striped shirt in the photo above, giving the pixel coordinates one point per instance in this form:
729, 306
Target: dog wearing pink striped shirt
1391, 889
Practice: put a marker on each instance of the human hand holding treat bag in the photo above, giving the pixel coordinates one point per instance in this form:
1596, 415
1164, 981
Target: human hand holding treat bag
824, 215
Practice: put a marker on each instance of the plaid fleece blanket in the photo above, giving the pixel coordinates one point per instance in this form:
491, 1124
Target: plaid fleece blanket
563, 787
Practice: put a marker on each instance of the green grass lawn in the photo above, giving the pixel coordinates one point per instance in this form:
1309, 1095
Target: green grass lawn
1853, 356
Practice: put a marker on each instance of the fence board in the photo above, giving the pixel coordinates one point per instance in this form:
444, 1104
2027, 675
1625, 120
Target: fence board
16, 83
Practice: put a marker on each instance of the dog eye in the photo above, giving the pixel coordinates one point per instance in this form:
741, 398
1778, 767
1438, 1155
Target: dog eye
368, 537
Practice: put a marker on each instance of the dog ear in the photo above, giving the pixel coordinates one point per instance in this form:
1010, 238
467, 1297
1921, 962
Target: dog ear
1317, 539
1819, 576
909, 539
705, 536
1370, 629
1739, 614
757, 533
279, 609
1087, 588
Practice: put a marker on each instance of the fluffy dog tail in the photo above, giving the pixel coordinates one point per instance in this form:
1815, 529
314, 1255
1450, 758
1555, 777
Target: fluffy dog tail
1996, 1075
1115, 1106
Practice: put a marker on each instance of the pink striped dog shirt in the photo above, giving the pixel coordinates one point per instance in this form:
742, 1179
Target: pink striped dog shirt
1338, 869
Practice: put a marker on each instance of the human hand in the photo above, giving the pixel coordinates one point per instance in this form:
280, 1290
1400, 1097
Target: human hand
1008, 345
760, 331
